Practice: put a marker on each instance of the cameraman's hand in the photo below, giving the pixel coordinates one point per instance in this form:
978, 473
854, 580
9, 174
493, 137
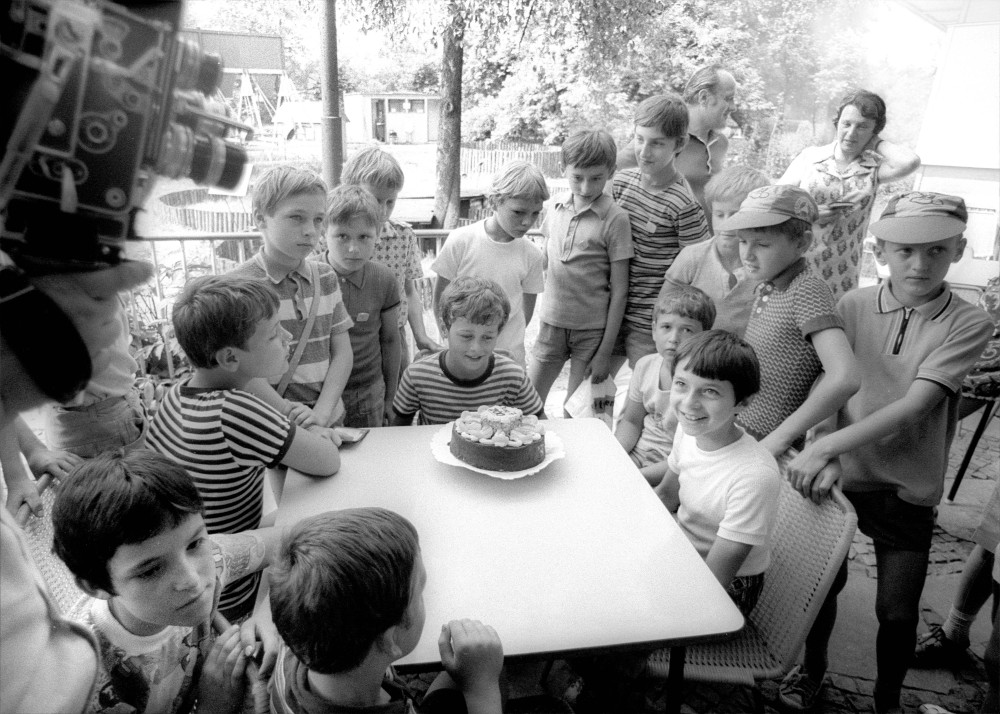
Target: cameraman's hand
90, 299
222, 684
57, 463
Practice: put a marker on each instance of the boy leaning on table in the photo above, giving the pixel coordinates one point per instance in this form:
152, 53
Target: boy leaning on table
347, 598
914, 341
469, 373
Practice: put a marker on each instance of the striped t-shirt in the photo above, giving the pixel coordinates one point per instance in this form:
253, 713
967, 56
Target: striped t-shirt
224, 438
297, 293
663, 222
428, 387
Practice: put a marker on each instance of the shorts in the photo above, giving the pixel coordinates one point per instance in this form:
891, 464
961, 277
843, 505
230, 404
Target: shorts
633, 344
988, 532
745, 591
109, 424
558, 344
364, 407
892, 522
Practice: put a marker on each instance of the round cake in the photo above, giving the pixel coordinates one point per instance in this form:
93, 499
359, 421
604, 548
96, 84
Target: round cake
498, 439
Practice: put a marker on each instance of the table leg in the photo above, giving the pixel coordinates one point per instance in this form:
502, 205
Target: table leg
675, 680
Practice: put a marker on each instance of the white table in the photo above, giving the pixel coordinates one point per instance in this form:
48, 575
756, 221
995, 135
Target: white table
579, 558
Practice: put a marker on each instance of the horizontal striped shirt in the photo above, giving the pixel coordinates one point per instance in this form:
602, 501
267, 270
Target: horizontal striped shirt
428, 387
297, 293
663, 222
224, 438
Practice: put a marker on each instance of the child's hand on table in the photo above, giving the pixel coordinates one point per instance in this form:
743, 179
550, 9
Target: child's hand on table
472, 655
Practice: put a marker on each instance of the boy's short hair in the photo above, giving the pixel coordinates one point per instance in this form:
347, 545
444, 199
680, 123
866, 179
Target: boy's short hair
719, 354
734, 183
347, 203
478, 300
666, 112
374, 167
870, 105
280, 183
342, 578
218, 311
589, 149
117, 499
918, 217
687, 301
518, 179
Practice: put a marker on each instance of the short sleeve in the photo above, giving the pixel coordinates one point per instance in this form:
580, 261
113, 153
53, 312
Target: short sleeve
951, 362
534, 280
691, 224
526, 399
407, 401
448, 260
639, 377
620, 237
412, 268
815, 309
683, 270
673, 458
255, 432
390, 292
750, 505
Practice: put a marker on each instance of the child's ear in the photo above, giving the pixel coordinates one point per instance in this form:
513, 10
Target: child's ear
805, 242
959, 249
681, 143
228, 358
258, 218
92, 591
744, 403
879, 253
387, 643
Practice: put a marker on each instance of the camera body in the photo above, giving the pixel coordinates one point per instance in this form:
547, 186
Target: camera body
104, 98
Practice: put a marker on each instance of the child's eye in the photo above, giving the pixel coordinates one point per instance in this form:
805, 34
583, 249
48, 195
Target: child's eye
196, 544
148, 573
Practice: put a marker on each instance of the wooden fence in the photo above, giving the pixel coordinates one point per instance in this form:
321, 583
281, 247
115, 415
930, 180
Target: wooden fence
482, 157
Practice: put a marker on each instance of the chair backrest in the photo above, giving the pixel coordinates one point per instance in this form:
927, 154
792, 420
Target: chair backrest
810, 543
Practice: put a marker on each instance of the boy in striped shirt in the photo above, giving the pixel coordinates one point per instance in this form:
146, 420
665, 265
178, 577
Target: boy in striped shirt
467, 374
663, 213
230, 329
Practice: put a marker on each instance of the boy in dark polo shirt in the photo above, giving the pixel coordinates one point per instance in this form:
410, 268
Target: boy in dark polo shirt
372, 300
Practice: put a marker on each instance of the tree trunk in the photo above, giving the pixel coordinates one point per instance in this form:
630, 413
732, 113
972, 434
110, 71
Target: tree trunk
447, 196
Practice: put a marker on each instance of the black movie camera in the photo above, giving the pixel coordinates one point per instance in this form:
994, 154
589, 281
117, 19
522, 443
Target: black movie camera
102, 97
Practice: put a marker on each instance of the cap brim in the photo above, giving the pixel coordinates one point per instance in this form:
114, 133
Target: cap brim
751, 219
917, 229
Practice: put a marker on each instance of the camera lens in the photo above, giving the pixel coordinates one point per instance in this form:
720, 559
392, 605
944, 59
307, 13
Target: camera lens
217, 162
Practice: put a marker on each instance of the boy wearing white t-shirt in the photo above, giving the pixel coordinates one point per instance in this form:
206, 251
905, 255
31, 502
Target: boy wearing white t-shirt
496, 248
722, 483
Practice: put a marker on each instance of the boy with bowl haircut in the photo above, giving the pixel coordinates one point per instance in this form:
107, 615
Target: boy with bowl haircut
915, 341
588, 244
371, 297
497, 248
723, 483
663, 214
469, 373
224, 436
647, 425
714, 266
793, 326
289, 210
347, 597
378, 171
130, 528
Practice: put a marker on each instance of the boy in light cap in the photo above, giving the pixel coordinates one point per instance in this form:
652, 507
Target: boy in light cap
914, 341
793, 325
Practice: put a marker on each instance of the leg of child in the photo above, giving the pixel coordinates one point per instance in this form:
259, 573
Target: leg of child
901, 575
543, 375
992, 658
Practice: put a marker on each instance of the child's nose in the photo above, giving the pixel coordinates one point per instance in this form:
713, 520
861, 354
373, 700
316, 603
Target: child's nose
187, 577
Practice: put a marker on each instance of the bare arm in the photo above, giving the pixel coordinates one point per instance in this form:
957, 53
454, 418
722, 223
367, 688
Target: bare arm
341, 363
528, 300
630, 425
440, 284
388, 337
298, 413
312, 454
415, 316
725, 558
834, 387
40, 458
668, 490
802, 471
21, 488
600, 363
899, 161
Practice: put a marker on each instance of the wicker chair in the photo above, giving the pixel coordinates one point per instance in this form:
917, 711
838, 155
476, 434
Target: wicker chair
810, 543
